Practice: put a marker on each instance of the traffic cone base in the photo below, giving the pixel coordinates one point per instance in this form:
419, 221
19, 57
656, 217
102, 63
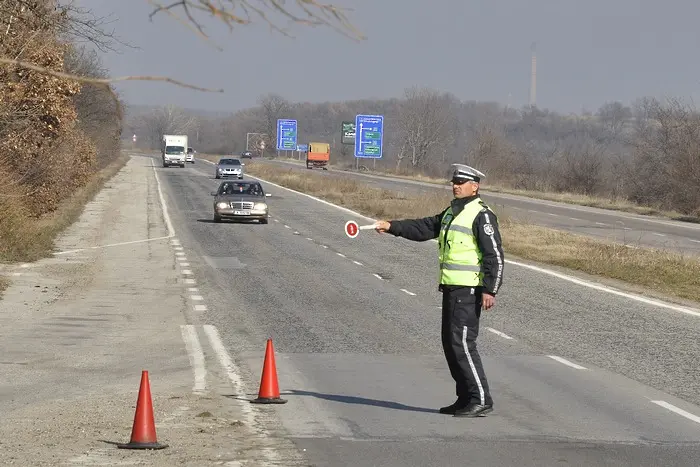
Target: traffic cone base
269, 392
143, 432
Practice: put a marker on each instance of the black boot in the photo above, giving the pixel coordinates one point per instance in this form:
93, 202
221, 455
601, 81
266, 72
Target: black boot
473, 410
457, 405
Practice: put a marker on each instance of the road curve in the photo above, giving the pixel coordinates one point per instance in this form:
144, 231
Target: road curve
579, 376
630, 229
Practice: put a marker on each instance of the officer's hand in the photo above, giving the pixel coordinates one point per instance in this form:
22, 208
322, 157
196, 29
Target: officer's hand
487, 301
382, 226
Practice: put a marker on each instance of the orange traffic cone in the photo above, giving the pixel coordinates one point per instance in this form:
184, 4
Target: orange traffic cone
143, 433
269, 390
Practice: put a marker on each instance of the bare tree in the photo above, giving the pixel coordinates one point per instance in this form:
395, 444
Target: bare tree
166, 120
614, 115
272, 107
425, 120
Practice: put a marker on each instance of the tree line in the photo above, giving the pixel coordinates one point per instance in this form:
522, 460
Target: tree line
646, 153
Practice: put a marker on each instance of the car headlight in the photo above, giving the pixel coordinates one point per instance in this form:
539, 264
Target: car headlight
260, 206
222, 205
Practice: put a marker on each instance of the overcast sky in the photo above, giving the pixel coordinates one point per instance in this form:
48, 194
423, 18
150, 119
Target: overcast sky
588, 52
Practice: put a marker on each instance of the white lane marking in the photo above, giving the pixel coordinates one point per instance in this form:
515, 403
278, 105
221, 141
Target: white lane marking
677, 410
499, 333
533, 211
179, 253
695, 241
16, 274
178, 248
378, 276
600, 223
658, 234
310, 239
163, 205
600, 288
286, 226
358, 263
200, 308
25, 265
341, 255
193, 289
228, 366
296, 232
408, 292
574, 218
184, 264
276, 220
186, 272
175, 241
196, 298
553, 215
194, 351
324, 246
190, 281
110, 245
566, 362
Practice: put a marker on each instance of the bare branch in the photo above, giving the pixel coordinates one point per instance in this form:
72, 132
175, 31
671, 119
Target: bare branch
101, 81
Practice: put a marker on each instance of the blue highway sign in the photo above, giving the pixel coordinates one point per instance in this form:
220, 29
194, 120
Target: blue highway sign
286, 134
369, 135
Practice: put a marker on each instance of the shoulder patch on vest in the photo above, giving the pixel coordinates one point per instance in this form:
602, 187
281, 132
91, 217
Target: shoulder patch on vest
488, 229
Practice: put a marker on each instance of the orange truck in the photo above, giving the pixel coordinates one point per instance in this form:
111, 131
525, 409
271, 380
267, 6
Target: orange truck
318, 155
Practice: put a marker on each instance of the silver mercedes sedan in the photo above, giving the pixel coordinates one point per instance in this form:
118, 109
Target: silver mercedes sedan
240, 200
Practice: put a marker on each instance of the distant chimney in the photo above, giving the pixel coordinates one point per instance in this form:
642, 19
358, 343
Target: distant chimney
533, 77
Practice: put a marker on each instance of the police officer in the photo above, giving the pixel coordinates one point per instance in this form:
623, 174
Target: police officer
471, 272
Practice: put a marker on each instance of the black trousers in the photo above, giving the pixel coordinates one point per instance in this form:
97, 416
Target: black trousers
461, 310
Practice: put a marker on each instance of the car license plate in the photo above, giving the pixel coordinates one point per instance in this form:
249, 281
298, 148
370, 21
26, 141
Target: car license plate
241, 213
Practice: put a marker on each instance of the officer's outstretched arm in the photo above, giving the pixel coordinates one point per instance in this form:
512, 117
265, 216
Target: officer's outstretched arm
488, 238
418, 230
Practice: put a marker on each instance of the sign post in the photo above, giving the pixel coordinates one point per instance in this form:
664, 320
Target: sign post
286, 134
347, 133
369, 136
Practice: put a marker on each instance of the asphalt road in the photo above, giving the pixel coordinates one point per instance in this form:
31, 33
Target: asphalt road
630, 229
579, 376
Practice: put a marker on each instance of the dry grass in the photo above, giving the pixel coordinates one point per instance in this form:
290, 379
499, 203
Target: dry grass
569, 198
655, 270
31, 239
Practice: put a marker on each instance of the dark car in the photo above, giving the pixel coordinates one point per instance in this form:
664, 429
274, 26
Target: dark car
240, 200
246, 155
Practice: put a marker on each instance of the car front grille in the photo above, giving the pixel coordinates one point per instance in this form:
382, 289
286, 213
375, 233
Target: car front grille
242, 205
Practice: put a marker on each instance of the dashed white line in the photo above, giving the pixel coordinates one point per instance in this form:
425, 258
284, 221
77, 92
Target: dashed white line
200, 308
296, 232
500, 333
194, 351
695, 241
341, 255
658, 234
179, 253
181, 258
566, 362
574, 218
324, 246
358, 263
276, 220
196, 298
187, 272
553, 215
286, 226
378, 276
677, 410
184, 264
190, 281
193, 289
25, 265
310, 239
178, 248
600, 223
408, 292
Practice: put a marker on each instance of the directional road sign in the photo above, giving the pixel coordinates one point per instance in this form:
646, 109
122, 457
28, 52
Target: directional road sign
286, 134
302, 147
347, 134
369, 135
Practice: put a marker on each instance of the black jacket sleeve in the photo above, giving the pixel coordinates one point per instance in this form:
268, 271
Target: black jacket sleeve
488, 237
418, 230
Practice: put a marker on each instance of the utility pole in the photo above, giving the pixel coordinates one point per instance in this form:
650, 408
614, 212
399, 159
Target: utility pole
533, 77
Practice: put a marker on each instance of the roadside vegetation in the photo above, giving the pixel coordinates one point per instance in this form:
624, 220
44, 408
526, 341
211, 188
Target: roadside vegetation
656, 270
59, 139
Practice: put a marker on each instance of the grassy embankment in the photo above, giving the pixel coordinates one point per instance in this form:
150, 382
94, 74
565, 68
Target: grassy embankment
570, 198
31, 239
654, 270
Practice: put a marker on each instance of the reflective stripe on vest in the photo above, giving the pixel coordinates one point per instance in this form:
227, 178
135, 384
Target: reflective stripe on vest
458, 252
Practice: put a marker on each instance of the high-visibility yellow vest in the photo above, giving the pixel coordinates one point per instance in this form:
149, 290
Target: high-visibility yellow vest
458, 252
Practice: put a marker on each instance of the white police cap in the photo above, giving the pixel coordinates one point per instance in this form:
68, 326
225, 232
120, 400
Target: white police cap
464, 173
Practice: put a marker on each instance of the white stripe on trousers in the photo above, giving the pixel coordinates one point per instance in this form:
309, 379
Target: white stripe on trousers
471, 364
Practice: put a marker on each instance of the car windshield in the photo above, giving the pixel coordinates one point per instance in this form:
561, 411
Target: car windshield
241, 188
229, 162
174, 149
190, 150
